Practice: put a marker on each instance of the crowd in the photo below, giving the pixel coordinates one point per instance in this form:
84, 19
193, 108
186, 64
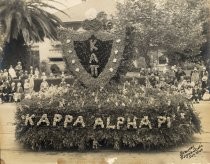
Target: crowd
193, 86
16, 84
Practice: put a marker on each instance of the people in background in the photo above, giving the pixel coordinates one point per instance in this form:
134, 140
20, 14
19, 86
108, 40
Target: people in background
43, 75
31, 72
36, 73
12, 72
18, 68
63, 83
31, 83
26, 87
44, 85
195, 76
18, 96
196, 94
12, 92
6, 91
179, 73
173, 81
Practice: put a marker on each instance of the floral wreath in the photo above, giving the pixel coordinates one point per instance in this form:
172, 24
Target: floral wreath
67, 38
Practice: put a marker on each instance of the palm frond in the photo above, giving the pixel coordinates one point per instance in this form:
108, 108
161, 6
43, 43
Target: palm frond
29, 19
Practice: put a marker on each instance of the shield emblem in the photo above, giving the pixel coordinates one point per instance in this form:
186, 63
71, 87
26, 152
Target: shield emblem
93, 57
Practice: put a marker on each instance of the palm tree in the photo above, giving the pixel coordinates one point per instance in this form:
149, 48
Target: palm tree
22, 22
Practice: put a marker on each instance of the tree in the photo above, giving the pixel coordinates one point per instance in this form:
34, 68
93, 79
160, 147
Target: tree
176, 26
23, 22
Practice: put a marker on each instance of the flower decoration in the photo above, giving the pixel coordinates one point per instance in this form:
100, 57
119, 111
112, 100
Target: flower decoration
113, 61
28, 119
79, 121
68, 41
145, 121
57, 118
98, 122
68, 119
77, 69
161, 120
118, 40
182, 115
44, 119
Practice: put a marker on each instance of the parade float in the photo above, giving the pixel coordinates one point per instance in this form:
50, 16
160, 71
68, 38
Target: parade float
98, 113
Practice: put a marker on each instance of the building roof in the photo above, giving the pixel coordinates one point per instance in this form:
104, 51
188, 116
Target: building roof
79, 12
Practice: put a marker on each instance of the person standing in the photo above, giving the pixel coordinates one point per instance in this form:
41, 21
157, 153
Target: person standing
31, 70
26, 87
195, 76
12, 72
31, 83
204, 78
19, 93
5, 75
36, 73
18, 68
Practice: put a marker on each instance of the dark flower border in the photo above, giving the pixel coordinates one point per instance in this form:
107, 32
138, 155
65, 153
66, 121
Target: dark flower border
67, 38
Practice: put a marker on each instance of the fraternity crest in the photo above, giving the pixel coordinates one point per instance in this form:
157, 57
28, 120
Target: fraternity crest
93, 57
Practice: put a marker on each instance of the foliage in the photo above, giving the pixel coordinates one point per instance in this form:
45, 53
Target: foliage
25, 22
113, 102
176, 26
55, 69
29, 19
94, 24
101, 22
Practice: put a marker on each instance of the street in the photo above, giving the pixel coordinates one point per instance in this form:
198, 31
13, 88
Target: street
13, 153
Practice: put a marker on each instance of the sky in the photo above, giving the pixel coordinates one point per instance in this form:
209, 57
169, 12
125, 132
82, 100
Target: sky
64, 4
67, 3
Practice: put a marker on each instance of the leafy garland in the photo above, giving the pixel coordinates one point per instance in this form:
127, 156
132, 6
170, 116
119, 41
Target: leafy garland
67, 38
105, 103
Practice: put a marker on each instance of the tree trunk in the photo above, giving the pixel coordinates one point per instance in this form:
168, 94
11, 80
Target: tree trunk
15, 51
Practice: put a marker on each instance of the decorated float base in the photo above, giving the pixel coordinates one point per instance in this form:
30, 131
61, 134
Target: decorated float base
106, 119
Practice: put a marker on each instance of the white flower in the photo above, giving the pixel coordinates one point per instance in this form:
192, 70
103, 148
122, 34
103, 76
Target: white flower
116, 51
114, 60
68, 41
70, 51
145, 121
77, 69
169, 102
111, 69
118, 40
73, 61
161, 120
182, 115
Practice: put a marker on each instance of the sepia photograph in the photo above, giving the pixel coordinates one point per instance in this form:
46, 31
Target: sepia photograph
104, 82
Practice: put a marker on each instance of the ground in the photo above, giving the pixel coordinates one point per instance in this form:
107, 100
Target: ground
12, 153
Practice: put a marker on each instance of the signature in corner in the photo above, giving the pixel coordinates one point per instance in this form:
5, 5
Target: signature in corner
191, 152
